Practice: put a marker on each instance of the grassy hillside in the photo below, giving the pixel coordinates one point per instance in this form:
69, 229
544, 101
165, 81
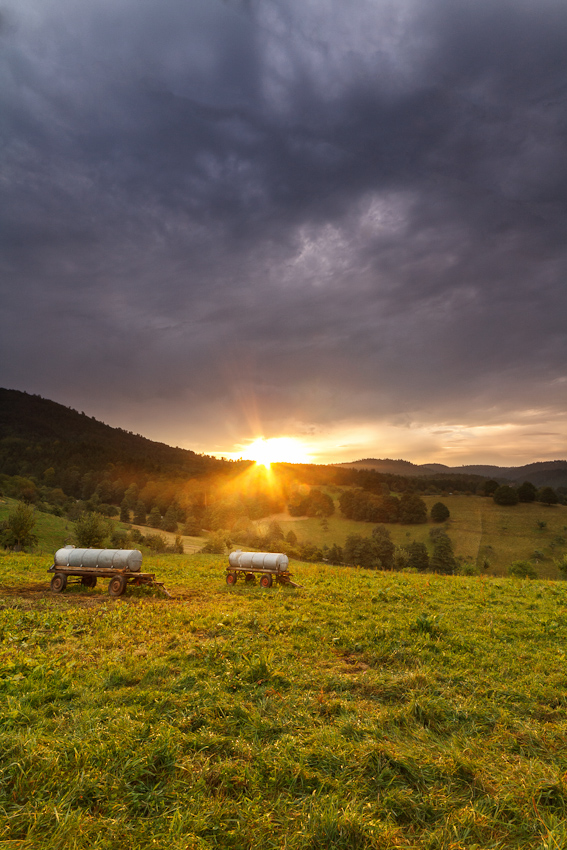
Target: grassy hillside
53, 532
364, 710
478, 528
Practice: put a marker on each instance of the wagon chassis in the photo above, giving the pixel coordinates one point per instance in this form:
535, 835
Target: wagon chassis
88, 578
266, 576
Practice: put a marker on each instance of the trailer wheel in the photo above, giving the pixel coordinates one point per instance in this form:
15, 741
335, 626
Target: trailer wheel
250, 578
266, 581
231, 578
117, 586
88, 581
58, 582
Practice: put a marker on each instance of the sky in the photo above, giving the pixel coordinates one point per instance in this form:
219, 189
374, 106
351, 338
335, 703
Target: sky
342, 223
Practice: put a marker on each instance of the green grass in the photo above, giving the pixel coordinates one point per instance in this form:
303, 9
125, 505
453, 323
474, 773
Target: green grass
478, 528
363, 710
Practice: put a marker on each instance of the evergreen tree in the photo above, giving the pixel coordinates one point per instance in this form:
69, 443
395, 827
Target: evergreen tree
124, 511
154, 519
169, 522
443, 559
140, 513
291, 537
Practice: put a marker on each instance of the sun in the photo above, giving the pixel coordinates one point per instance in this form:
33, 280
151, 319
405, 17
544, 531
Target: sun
276, 449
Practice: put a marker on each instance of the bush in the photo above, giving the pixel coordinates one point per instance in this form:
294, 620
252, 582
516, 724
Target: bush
468, 570
16, 532
156, 542
562, 566
522, 569
92, 530
215, 545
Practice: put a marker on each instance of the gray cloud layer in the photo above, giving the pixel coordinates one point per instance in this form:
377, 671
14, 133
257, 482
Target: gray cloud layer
287, 212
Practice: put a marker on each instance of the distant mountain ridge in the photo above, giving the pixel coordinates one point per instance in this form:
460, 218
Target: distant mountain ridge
550, 473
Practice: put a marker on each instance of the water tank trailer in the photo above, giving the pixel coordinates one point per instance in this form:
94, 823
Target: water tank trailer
268, 565
121, 566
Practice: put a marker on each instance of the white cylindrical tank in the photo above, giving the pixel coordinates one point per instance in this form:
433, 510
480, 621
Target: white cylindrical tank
261, 560
103, 559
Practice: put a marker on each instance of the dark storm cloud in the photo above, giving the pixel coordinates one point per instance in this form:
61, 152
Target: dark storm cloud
306, 210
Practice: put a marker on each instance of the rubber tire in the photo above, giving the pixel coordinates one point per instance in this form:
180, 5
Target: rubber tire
117, 585
266, 581
88, 581
58, 583
231, 578
250, 578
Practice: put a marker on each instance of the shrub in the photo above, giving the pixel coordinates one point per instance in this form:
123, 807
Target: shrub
16, 532
91, 530
156, 542
215, 545
522, 569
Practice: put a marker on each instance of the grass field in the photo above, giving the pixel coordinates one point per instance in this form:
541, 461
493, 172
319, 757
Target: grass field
478, 528
363, 710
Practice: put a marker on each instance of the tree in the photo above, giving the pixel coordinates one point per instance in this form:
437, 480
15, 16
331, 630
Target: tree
547, 496
91, 530
490, 487
527, 492
154, 519
418, 557
383, 546
124, 511
412, 509
291, 537
275, 531
440, 512
17, 530
443, 559
169, 522
191, 527
335, 555
140, 513
359, 551
505, 495
131, 496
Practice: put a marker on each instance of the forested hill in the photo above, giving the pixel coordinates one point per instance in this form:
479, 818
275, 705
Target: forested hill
36, 433
551, 473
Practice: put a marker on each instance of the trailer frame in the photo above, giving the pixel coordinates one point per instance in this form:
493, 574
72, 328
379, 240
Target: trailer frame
248, 574
87, 576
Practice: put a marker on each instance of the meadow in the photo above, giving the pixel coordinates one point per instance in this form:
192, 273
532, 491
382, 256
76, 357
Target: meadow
480, 530
362, 710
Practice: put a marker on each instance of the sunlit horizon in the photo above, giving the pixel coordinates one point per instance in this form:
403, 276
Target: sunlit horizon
273, 450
